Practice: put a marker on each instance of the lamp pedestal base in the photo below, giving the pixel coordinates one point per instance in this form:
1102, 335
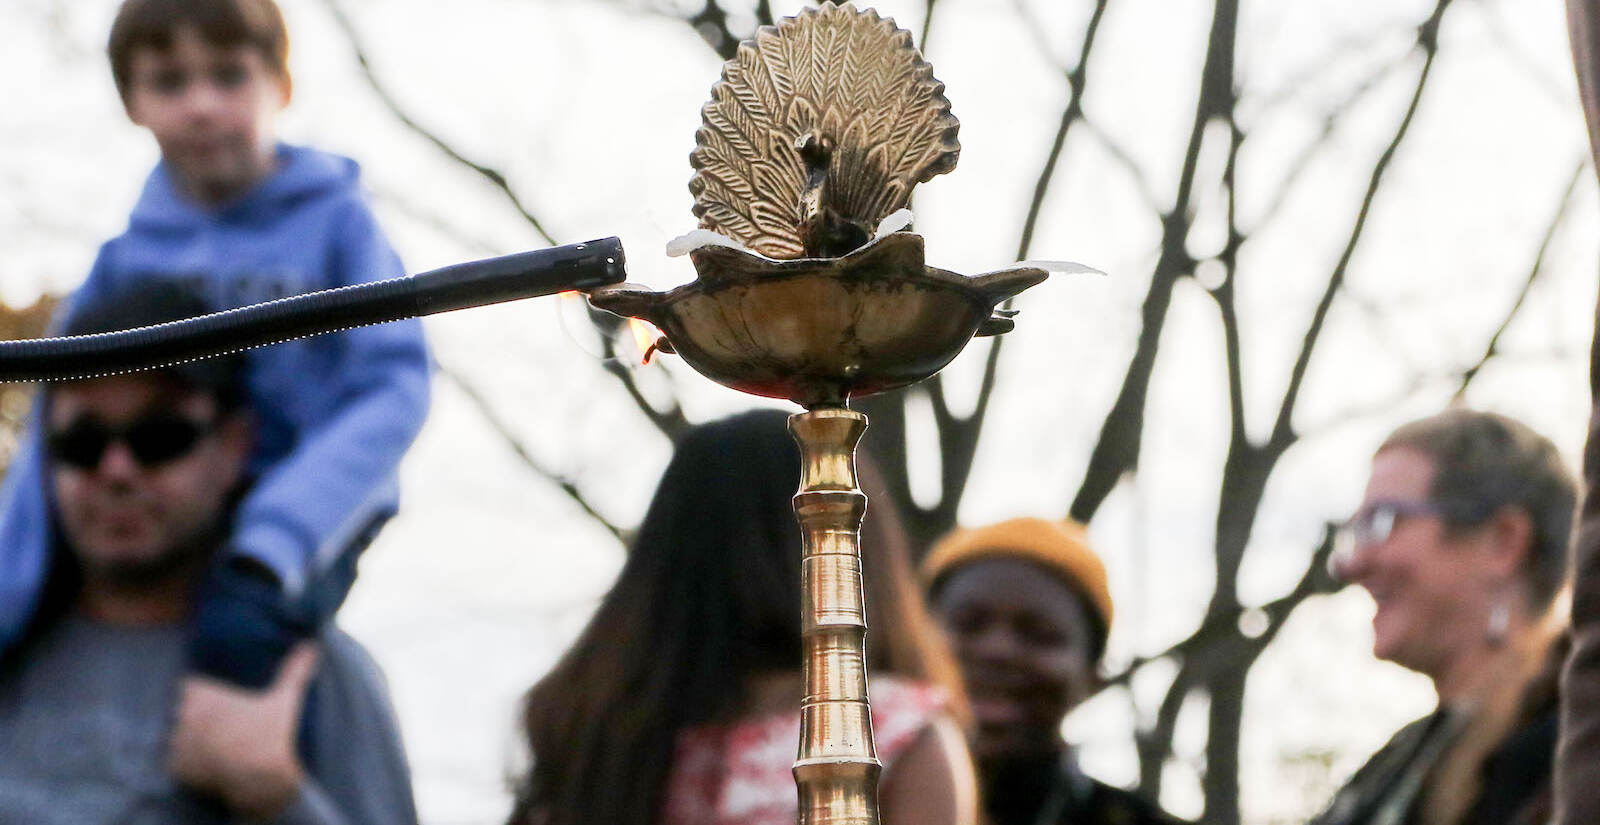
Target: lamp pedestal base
837, 768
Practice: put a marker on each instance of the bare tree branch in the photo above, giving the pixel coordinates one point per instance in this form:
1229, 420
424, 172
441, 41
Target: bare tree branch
1197, 645
1116, 450
1357, 412
432, 219
927, 26
1077, 79
1310, 151
959, 435
711, 23
670, 421
1112, 147
1415, 383
1557, 92
1035, 30
566, 485
1223, 294
494, 176
1296, 82
886, 438
1155, 745
1428, 43
958, 440
1534, 271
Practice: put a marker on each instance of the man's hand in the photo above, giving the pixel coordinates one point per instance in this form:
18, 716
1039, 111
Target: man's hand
239, 745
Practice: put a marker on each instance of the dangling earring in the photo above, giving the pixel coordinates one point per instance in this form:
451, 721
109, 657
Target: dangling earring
1336, 563
1499, 624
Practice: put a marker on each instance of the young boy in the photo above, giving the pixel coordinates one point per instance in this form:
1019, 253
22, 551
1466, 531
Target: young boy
241, 218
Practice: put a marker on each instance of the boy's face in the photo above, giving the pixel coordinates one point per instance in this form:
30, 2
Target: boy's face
211, 110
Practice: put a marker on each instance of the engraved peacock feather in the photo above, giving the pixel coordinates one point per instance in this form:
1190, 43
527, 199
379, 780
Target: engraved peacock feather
818, 129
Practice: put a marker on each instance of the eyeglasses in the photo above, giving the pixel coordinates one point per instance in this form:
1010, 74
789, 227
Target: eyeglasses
153, 440
1375, 522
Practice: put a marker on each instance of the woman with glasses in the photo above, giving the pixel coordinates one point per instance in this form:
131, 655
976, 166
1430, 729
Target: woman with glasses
1461, 540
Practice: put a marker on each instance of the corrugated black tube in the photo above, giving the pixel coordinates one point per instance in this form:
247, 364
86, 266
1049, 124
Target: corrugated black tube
580, 266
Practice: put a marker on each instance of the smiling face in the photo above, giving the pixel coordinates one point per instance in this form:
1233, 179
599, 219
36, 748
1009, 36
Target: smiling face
1026, 643
211, 110
128, 518
1434, 585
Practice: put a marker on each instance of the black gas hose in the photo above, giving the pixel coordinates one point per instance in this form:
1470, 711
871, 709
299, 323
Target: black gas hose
580, 266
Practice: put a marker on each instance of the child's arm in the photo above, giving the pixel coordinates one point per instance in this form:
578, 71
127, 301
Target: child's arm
26, 531
24, 537
309, 515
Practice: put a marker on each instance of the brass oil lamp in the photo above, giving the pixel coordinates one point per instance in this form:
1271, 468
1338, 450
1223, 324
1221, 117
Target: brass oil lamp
804, 164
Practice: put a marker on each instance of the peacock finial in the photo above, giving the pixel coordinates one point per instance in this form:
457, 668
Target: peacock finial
819, 129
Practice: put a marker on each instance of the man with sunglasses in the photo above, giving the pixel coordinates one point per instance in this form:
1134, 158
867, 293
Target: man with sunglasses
99, 721
1461, 540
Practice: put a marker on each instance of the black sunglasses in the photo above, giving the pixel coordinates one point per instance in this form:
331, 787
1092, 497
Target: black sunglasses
153, 440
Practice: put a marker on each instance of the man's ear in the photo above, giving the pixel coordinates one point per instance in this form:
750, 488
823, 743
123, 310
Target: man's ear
1509, 534
237, 434
132, 111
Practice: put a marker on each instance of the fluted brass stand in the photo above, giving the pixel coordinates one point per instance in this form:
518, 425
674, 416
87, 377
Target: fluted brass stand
837, 768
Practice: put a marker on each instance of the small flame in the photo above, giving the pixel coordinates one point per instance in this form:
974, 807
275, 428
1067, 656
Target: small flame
646, 337
569, 294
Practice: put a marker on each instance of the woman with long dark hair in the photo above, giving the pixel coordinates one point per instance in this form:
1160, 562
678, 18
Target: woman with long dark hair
679, 702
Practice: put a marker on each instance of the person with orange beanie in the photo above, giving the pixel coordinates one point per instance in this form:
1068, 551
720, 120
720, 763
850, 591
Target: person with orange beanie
1027, 608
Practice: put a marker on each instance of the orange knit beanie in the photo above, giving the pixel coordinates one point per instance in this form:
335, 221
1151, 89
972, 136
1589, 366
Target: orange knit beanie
1060, 546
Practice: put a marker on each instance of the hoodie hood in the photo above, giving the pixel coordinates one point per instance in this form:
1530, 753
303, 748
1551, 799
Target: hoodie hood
301, 174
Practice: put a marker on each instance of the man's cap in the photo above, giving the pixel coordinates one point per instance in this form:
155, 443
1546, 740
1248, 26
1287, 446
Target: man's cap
159, 301
1062, 547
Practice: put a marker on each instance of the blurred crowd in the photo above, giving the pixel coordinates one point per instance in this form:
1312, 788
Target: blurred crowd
175, 544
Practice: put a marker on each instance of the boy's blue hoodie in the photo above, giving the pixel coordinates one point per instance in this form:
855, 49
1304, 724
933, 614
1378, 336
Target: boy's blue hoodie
334, 413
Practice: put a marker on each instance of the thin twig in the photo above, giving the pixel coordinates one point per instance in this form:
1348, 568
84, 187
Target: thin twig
1330, 120
1035, 31
1116, 449
671, 421
494, 176
1557, 92
1125, 159
1493, 348
1428, 42
1077, 80
1301, 79
566, 485
1225, 626
433, 220
1352, 414
1228, 259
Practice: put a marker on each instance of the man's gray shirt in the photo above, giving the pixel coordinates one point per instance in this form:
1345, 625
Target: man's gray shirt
86, 715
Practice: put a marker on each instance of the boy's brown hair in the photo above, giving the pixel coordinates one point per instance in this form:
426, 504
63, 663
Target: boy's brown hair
152, 24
